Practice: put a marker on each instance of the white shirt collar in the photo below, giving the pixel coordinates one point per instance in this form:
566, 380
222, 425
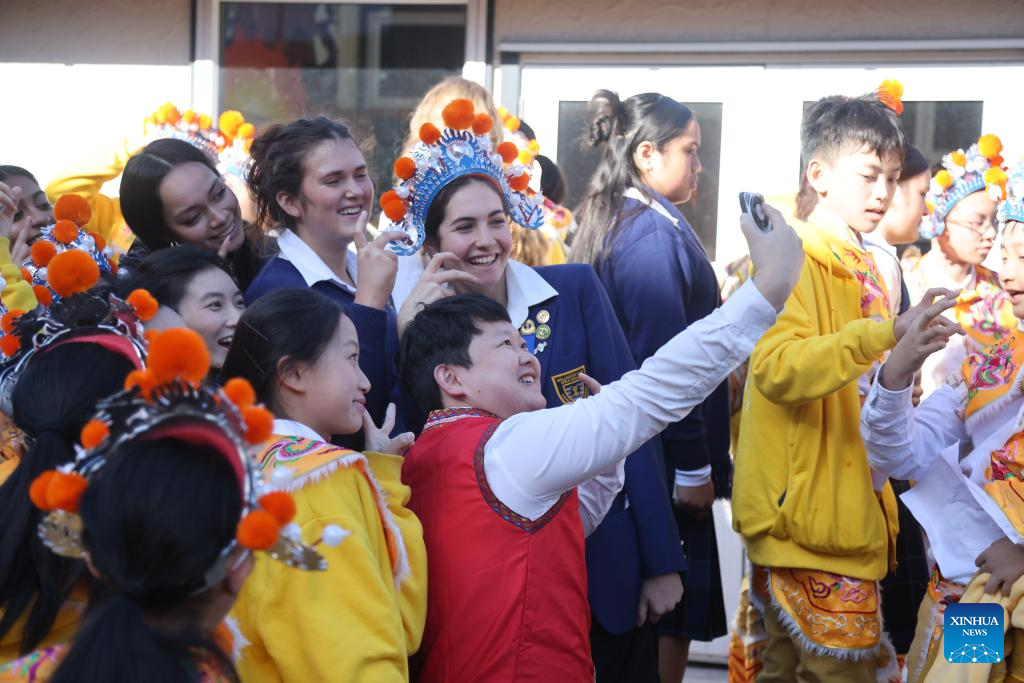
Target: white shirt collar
525, 287
293, 428
310, 266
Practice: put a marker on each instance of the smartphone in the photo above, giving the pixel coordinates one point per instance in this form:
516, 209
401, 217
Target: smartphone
752, 204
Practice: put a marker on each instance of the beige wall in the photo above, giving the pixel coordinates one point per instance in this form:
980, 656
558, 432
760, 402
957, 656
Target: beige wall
726, 20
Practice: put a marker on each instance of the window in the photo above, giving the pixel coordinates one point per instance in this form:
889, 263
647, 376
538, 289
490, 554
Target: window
367, 64
578, 162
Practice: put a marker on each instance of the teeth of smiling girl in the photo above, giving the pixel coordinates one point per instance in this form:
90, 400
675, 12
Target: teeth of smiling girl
483, 260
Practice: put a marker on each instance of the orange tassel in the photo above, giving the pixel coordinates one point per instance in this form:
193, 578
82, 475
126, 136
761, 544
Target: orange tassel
144, 304
279, 504
94, 433
42, 252
240, 391
72, 272
258, 530
74, 208
178, 354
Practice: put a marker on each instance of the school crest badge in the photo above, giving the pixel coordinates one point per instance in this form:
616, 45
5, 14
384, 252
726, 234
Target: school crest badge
569, 386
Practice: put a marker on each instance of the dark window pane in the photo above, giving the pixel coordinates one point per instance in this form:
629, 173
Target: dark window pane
578, 162
363, 64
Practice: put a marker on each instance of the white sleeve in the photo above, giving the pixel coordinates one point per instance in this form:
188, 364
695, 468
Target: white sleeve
903, 442
533, 458
598, 494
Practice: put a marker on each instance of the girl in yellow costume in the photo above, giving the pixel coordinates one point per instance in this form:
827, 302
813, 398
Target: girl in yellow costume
970, 506
962, 226
58, 363
363, 618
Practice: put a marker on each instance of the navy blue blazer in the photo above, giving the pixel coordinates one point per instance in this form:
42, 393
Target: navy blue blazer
634, 542
659, 280
377, 360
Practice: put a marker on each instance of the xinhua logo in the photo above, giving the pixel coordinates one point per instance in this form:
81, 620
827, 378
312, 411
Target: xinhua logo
973, 634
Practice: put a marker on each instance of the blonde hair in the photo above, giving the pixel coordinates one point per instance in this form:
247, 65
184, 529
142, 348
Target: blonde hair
438, 97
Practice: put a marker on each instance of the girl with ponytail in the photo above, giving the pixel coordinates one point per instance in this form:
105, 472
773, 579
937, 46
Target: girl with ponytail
660, 280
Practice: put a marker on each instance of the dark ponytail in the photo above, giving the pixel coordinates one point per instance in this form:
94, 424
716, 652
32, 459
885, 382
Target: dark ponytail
54, 397
155, 519
620, 126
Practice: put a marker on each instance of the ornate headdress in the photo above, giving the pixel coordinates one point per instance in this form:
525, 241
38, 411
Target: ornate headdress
71, 212
171, 400
964, 173
78, 313
1012, 208
227, 144
462, 149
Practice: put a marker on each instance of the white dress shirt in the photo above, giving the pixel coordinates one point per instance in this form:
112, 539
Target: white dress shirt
533, 458
310, 266
926, 444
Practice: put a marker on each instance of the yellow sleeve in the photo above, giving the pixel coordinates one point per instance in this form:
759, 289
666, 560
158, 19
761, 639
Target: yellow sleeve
86, 181
794, 364
412, 590
17, 294
341, 624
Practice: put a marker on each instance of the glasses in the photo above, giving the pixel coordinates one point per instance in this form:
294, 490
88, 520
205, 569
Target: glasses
979, 228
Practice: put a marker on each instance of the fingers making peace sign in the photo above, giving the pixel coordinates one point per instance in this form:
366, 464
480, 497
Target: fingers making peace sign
435, 283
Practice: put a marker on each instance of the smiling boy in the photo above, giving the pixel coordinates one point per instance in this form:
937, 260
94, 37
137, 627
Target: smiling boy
494, 476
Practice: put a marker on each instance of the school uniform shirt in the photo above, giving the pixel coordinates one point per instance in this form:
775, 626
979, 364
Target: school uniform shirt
297, 266
497, 500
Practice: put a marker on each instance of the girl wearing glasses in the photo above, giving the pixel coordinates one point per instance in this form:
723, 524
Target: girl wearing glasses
962, 225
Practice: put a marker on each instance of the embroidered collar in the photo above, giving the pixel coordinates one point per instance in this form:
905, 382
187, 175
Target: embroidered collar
310, 265
436, 418
991, 377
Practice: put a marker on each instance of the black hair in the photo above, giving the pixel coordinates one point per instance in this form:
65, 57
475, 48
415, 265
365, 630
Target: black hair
167, 273
621, 126
436, 210
552, 180
296, 324
278, 162
53, 399
838, 123
8, 170
155, 519
441, 334
914, 163
143, 209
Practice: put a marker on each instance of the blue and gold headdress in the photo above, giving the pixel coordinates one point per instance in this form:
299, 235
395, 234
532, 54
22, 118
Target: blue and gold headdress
461, 149
962, 174
1012, 208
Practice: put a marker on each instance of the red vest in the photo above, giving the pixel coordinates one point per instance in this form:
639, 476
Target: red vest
507, 597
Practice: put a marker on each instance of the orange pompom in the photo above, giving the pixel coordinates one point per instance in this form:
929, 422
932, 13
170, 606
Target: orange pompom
533, 146
890, 93
205, 121
25, 275
10, 344
459, 114
43, 295
7, 321
189, 116
259, 424
230, 121
258, 530
944, 179
508, 152
279, 504
42, 253
38, 488
389, 196
482, 124
525, 157
143, 379
64, 491
101, 243
958, 158
178, 354
240, 391
72, 207
65, 232
520, 182
71, 272
997, 160
429, 133
247, 131
512, 124
93, 434
144, 304
989, 146
395, 210
405, 168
